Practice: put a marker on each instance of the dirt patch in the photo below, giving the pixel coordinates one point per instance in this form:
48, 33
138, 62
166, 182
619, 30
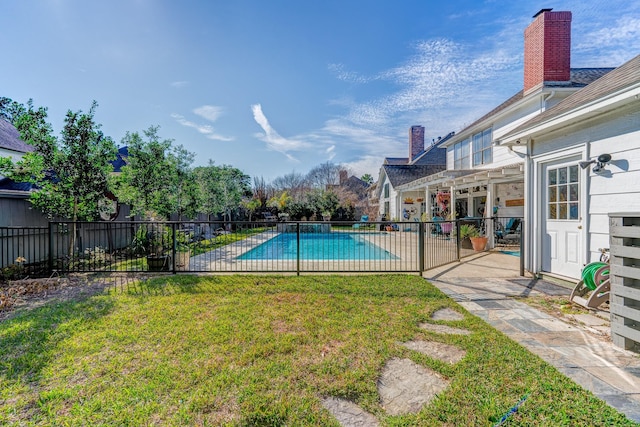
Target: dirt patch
561, 308
27, 294
447, 314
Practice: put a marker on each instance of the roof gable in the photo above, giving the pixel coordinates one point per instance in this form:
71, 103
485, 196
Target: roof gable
10, 138
624, 76
435, 154
580, 77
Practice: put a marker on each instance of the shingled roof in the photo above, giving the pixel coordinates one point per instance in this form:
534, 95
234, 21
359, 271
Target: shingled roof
121, 159
626, 75
580, 77
10, 138
401, 174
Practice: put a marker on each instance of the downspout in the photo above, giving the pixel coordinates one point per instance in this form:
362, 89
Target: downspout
585, 210
543, 107
532, 255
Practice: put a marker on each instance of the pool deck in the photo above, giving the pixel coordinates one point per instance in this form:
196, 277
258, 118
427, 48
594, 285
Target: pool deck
403, 245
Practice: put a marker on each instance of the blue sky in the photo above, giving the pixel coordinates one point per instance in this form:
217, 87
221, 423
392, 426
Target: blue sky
278, 86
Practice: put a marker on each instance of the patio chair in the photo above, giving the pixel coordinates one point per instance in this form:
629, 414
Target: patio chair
221, 232
509, 233
268, 216
435, 227
363, 220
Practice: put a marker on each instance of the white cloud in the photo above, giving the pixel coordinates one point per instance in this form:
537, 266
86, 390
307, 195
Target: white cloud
179, 84
366, 164
206, 130
273, 139
348, 76
609, 45
434, 77
331, 152
209, 112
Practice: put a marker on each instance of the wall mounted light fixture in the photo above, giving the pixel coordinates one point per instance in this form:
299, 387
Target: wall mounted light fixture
600, 163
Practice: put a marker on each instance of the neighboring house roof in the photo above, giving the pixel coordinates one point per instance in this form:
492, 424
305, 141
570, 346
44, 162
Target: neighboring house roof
356, 186
121, 159
580, 77
10, 138
401, 174
429, 156
435, 154
10, 185
620, 78
396, 160
7, 184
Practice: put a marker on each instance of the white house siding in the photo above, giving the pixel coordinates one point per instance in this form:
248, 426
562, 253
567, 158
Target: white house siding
618, 190
10, 153
392, 199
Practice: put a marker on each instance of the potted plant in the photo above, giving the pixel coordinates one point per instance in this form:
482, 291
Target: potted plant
466, 232
478, 241
158, 242
447, 225
183, 250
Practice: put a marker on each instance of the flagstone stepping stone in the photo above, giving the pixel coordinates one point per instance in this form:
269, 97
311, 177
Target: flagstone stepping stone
405, 387
444, 329
447, 314
437, 350
348, 413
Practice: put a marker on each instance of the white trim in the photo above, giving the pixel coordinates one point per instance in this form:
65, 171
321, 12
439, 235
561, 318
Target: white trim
537, 211
610, 102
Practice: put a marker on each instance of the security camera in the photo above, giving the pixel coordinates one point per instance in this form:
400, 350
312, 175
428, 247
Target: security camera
517, 141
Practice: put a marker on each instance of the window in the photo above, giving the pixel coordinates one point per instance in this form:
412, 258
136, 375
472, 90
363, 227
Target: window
387, 209
482, 153
563, 193
386, 190
461, 155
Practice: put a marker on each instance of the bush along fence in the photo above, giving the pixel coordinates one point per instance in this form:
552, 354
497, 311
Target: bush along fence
249, 247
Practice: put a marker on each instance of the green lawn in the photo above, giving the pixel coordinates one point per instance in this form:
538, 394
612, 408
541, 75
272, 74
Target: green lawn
261, 351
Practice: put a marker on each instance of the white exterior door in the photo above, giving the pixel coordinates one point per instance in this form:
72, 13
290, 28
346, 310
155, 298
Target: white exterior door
562, 236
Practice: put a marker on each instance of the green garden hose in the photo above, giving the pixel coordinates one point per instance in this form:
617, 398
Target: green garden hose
588, 274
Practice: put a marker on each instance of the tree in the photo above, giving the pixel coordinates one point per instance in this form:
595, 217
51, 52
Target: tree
156, 178
251, 205
222, 188
367, 178
322, 202
261, 190
294, 183
11, 110
324, 175
187, 201
70, 173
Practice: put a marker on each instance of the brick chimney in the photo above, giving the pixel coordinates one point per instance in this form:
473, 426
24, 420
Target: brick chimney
416, 141
344, 175
547, 49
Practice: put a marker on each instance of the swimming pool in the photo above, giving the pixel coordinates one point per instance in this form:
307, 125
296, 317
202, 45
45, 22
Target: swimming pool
318, 246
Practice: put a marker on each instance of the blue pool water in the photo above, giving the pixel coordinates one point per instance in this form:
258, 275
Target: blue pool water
514, 253
318, 246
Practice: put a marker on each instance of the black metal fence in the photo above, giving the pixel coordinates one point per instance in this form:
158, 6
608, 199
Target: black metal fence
234, 247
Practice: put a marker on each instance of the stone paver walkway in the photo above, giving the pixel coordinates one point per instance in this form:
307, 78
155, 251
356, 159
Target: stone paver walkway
580, 351
485, 286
